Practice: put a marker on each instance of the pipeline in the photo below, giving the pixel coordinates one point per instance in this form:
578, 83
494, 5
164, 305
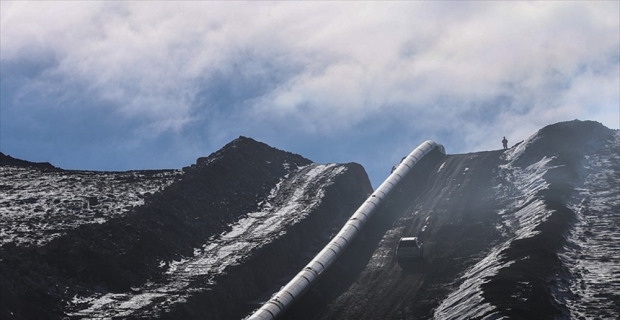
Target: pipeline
292, 291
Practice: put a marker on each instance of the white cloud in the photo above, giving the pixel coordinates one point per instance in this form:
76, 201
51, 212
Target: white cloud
342, 63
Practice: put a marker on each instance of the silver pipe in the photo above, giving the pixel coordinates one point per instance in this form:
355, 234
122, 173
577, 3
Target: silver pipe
292, 291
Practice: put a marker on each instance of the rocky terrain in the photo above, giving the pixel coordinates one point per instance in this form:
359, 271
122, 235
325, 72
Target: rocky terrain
41, 202
531, 232
526, 233
207, 239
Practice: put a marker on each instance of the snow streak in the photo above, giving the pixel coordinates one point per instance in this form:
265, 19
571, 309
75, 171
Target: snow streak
593, 251
520, 219
288, 203
586, 284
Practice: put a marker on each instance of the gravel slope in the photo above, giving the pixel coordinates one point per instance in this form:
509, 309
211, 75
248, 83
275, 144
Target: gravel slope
526, 233
160, 243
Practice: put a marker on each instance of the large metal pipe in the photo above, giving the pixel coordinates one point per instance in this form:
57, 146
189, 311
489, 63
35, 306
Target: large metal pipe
292, 291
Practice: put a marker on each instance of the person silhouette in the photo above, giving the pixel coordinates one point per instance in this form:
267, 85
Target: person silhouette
505, 143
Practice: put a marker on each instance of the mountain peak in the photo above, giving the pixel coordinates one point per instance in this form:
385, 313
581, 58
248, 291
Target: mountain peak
245, 147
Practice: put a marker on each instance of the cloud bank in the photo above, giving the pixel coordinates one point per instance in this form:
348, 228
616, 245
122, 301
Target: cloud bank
333, 81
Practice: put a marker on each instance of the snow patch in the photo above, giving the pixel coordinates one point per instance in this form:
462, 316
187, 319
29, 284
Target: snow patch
519, 221
288, 203
38, 206
592, 253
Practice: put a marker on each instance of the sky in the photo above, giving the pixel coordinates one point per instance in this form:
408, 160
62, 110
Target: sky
125, 85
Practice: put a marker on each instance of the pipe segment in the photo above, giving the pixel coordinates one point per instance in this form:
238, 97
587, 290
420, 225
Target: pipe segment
293, 290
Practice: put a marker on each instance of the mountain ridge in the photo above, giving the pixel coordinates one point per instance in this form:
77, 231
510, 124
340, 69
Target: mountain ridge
504, 232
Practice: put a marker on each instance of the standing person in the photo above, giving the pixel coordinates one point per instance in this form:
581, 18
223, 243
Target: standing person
505, 143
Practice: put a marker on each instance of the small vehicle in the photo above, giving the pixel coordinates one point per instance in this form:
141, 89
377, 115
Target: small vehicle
409, 248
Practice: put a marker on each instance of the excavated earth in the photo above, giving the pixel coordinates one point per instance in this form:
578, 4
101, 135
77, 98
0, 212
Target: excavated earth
526, 233
202, 242
531, 232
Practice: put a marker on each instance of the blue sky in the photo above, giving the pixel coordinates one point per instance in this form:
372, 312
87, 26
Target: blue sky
144, 85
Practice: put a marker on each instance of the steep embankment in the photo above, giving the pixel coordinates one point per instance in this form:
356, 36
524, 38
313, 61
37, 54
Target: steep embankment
531, 232
430, 205
547, 176
164, 257
506, 234
591, 256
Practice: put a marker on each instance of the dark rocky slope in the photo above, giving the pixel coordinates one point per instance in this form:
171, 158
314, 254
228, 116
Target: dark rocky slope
7, 160
125, 252
527, 233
